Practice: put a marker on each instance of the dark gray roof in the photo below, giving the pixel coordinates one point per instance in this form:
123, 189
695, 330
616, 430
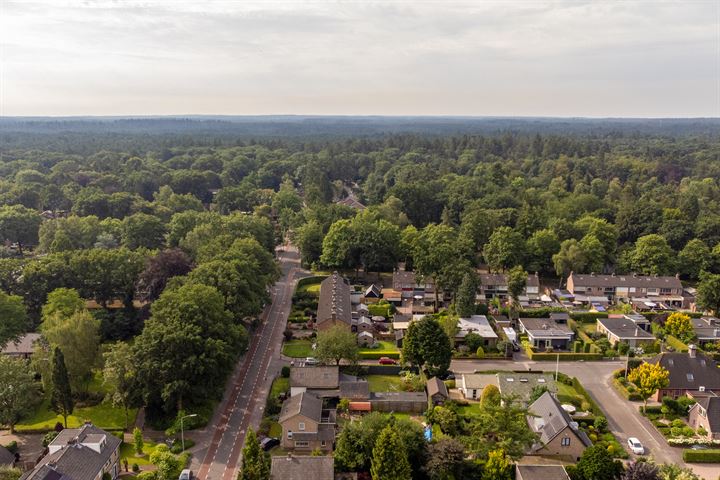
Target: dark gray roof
711, 405
544, 327
302, 468
355, 390
74, 460
325, 432
580, 280
687, 373
540, 472
304, 404
435, 385
334, 301
706, 328
373, 291
549, 419
624, 328
6, 458
315, 377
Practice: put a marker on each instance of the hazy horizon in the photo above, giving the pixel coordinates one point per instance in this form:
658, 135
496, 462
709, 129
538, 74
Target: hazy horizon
558, 59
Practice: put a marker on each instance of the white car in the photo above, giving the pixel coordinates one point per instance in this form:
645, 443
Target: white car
635, 446
186, 474
311, 361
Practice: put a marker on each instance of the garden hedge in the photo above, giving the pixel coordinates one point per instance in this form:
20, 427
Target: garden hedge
701, 456
376, 354
622, 390
310, 280
564, 356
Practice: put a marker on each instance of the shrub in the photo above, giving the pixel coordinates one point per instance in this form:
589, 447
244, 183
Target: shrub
12, 447
676, 431
702, 456
480, 353
135, 467
688, 432
49, 437
601, 424
285, 371
701, 431
138, 443
677, 423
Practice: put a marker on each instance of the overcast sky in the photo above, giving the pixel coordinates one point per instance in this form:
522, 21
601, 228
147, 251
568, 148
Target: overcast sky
528, 58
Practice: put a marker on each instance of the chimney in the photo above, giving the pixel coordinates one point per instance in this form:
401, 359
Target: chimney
692, 351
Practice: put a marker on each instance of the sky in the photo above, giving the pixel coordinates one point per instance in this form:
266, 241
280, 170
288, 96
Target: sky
512, 58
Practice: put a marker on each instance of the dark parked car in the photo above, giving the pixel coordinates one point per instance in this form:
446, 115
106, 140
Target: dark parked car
268, 443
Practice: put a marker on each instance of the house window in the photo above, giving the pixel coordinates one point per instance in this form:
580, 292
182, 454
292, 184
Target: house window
565, 442
289, 433
302, 444
301, 426
322, 444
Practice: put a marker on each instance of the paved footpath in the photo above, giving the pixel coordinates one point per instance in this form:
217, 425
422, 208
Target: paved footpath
218, 457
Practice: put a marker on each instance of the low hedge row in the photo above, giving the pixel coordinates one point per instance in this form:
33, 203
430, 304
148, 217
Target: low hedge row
310, 280
622, 390
701, 456
564, 357
676, 343
596, 410
587, 316
378, 354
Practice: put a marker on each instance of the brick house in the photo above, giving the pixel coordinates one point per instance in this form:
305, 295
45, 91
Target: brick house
558, 433
306, 425
691, 371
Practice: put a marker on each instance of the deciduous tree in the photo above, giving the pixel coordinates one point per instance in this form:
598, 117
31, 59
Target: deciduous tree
18, 389
14, 318
335, 344
504, 249
427, 346
119, 375
679, 325
708, 292
497, 466
597, 464
648, 378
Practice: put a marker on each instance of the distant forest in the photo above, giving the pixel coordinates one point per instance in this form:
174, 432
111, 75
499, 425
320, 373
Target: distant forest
443, 194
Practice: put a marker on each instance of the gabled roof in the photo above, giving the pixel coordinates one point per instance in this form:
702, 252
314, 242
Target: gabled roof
355, 389
373, 291
334, 300
479, 380
624, 328
302, 468
23, 346
315, 377
521, 384
435, 386
74, 459
711, 405
545, 328
687, 373
638, 281
495, 279
549, 419
6, 458
304, 404
706, 328
540, 472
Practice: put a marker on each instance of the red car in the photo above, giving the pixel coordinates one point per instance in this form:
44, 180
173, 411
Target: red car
387, 361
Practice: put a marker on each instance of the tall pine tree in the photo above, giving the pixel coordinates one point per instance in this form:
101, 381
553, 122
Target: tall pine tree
255, 464
61, 398
390, 458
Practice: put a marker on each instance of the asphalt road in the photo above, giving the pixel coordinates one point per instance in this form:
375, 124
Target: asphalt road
244, 399
623, 416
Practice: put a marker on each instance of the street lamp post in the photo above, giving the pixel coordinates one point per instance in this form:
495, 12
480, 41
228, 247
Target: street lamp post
182, 432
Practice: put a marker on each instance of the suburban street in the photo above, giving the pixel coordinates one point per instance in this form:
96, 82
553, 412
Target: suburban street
217, 456
623, 417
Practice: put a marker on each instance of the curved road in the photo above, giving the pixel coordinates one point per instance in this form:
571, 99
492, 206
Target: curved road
244, 399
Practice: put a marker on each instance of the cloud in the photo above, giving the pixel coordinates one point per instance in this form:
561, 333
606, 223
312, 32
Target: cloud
600, 58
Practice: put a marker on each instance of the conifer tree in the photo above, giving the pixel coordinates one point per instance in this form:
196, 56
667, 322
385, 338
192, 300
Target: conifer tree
61, 394
255, 465
390, 458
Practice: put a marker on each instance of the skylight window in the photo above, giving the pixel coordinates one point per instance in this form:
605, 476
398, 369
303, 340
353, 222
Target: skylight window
690, 377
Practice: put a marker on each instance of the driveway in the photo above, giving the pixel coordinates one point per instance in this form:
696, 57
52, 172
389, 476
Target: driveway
624, 418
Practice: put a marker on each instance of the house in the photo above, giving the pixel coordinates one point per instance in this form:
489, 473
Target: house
334, 306
544, 333
417, 294
540, 472
705, 413
624, 330
437, 391
7, 459
665, 289
364, 324
324, 382
495, 285
23, 347
479, 325
351, 202
691, 371
405, 402
707, 330
365, 339
520, 385
315, 378
305, 424
372, 294
471, 385
557, 433
85, 453
354, 389
293, 467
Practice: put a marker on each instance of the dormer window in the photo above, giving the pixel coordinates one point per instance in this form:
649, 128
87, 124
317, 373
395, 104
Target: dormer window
690, 377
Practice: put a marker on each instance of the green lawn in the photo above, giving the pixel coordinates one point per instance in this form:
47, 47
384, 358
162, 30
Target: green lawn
279, 385
298, 349
103, 415
384, 383
127, 450
384, 346
275, 430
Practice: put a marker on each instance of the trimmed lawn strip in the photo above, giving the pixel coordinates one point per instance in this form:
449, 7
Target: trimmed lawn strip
103, 415
298, 349
385, 383
127, 451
